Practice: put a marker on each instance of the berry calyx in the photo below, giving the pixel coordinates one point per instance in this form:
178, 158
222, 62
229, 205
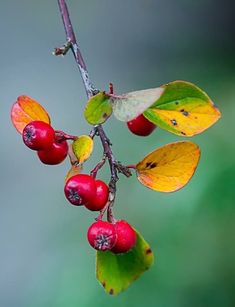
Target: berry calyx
80, 189
55, 154
101, 197
102, 235
126, 237
38, 135
141, 126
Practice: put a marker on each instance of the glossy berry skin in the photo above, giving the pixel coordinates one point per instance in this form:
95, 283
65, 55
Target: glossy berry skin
55, 154
141, 126
102, 235
38, 135
80, 189
101, 198
126, 237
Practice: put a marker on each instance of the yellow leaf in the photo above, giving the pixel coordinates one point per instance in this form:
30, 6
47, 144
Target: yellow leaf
74, 170
169, 168
25, 110
83, 147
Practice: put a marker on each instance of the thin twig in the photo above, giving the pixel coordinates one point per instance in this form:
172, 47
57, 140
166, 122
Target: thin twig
71, 38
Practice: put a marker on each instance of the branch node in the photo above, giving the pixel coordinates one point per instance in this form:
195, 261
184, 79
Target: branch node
62, 50
123, 169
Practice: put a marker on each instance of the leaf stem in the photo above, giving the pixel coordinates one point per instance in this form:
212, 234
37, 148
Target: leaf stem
132, 166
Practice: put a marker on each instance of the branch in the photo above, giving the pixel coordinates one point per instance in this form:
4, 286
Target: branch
90, 91
71, 39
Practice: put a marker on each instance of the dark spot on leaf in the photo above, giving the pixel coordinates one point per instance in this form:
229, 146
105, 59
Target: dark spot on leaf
195, 117
148, 251
153, 165
174, 122
185, 113
183, 133
177, 102
111, 291
103, 284
105, 115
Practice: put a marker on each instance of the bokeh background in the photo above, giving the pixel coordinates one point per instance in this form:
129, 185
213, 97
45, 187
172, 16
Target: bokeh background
44, 257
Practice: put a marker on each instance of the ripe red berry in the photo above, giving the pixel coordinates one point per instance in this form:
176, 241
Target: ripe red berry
126, 237
101, 197
102, 235
38, 135
141, 126
55, 154
80, 189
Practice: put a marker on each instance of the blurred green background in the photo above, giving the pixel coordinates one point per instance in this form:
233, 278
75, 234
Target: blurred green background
44, 257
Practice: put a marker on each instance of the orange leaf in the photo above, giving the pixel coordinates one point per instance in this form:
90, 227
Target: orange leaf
170, 167
25, 110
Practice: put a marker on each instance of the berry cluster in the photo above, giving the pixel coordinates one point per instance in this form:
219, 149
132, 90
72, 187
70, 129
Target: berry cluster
40, 136
119, 236
83, 189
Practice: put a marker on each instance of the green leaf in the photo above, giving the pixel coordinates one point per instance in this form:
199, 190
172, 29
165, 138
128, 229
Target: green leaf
130, 105
183, 109
116, 272
98, 109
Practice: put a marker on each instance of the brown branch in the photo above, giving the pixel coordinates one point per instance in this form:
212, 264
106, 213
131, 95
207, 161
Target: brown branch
90, 91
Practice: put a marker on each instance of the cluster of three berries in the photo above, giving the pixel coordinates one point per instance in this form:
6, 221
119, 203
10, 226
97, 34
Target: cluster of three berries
40, 136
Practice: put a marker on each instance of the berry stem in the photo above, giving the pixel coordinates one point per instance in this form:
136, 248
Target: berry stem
95, 170
62, 136
91, 91
111, 88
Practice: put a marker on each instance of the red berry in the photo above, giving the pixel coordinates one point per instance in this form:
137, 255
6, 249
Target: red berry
126, 237
80, 189
38, 135
101, 198
55, 154
141, 126
102, 235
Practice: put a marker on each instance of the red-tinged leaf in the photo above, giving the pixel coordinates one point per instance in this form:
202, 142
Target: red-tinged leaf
25, 110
